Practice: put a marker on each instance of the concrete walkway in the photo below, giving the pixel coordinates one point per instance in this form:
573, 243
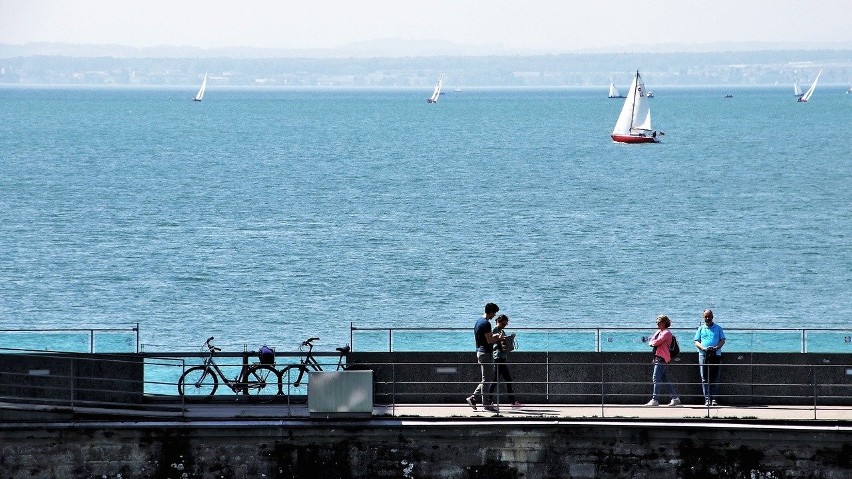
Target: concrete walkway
536, 411
240, 410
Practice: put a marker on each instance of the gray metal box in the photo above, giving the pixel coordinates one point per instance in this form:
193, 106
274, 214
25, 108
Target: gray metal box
340, 393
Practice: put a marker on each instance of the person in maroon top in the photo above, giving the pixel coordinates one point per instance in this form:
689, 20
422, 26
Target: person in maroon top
661, 341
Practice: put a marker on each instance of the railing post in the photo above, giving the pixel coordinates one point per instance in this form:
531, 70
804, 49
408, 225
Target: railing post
601, 384
814, 369
393, 389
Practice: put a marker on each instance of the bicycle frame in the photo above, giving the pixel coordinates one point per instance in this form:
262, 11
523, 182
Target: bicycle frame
310, 362
239, 384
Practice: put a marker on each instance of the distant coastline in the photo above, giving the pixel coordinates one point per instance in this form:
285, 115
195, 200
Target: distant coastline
56, 64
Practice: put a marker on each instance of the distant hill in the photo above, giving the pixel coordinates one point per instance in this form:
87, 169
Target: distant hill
393, 63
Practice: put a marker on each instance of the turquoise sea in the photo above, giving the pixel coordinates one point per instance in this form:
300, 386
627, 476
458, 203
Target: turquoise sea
265, 216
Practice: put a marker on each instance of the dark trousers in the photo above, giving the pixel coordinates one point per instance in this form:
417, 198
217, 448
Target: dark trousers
711, 365
501, 371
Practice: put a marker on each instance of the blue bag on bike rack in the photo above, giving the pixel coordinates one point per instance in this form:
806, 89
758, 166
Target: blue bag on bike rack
266, 355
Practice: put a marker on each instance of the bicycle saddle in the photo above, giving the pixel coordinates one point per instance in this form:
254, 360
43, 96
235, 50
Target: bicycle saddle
344, 349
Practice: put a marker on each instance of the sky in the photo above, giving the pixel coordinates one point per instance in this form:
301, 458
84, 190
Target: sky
530, 25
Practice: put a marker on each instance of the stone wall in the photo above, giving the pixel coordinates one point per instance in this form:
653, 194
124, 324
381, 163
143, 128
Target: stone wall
397, 449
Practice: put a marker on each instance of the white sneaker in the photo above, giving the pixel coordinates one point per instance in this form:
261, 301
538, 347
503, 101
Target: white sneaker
653, 402
675, 402
714, 403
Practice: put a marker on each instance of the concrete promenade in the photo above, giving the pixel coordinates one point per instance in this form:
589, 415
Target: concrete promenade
240, 410
782, 414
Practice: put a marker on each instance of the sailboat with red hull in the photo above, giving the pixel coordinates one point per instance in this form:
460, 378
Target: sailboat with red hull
634, 122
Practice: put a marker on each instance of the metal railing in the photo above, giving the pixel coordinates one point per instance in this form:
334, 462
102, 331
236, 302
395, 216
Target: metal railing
83, 340
145, 382
555, 339
602, 339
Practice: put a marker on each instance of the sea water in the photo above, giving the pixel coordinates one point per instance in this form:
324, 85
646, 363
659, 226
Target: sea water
266, 216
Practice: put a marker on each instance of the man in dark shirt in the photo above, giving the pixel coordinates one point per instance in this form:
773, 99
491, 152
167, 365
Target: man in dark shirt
484, 348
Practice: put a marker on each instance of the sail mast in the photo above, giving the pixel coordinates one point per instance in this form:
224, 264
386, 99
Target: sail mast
633, 103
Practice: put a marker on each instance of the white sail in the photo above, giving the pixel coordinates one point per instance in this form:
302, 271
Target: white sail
807, 95
797, 90
636, 112
437, 92
613, 92
200, 94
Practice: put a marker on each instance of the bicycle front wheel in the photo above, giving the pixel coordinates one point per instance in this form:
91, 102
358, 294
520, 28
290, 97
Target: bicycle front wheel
198, 383
262, 383
293, 380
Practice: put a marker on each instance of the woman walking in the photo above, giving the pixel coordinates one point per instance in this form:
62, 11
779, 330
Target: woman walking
661, 341
501, 369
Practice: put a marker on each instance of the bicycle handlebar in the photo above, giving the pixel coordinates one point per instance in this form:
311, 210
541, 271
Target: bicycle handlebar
308, 341
210, 347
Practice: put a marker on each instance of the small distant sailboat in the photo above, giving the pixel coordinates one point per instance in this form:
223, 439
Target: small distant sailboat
807, 96
437, 91
613, 92
797, 90
200, 94
634, 122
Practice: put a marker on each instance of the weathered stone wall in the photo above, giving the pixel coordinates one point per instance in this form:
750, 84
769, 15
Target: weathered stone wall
394, 449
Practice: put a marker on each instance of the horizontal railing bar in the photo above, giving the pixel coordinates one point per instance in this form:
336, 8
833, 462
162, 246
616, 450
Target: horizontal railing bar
586, 328
65, 330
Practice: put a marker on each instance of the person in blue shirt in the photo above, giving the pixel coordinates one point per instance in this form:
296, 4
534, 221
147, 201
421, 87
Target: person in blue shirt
485, 339
709, 340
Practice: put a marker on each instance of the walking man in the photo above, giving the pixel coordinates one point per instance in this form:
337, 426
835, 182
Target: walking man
709, 340
485, 339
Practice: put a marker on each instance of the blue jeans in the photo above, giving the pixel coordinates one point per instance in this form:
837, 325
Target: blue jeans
661, 375
710, 365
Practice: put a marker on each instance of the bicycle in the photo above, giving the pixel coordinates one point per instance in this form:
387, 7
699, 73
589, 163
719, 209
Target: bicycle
307, 364
199, 383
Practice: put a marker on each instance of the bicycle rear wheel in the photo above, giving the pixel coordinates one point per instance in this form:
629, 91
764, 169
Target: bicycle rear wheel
198, 383
262, 383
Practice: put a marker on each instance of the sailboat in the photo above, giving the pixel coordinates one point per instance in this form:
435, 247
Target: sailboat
797, 90
613, 92
200, 94
437, 92
807, 96
634, 122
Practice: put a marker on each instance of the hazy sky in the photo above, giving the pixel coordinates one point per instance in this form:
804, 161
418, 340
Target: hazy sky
546, 25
